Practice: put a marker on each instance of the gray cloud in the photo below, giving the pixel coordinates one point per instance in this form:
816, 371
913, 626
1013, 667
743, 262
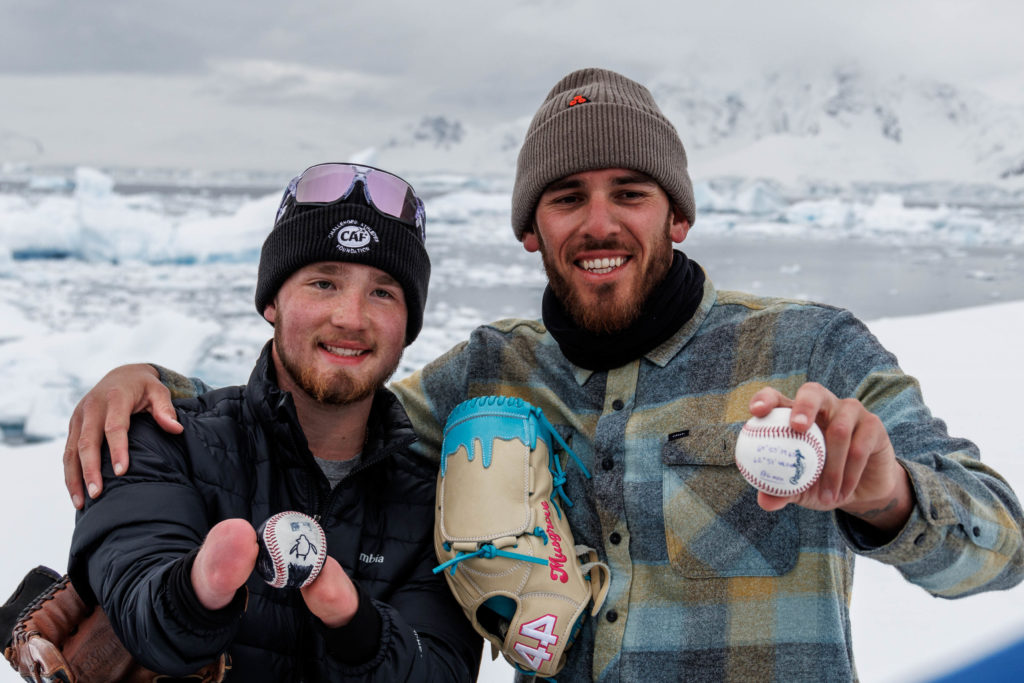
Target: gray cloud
391, 62
455, 48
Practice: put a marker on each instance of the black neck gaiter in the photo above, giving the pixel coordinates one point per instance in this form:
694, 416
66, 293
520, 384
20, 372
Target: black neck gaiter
669, 306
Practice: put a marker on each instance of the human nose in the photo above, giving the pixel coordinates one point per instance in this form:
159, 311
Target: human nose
601, 220
349, 312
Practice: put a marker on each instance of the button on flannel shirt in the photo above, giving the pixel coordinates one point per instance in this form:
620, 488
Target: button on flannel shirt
706, 586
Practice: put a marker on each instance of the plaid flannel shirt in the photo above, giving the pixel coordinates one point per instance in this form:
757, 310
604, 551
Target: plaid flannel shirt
706, 586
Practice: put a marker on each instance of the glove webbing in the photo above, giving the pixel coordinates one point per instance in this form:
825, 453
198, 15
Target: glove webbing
489, 550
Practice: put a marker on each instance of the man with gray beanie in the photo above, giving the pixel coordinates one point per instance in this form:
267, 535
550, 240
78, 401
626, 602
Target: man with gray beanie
169, 551
649, 372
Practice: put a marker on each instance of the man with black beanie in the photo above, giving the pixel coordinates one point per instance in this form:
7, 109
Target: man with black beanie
169, 551
649, 371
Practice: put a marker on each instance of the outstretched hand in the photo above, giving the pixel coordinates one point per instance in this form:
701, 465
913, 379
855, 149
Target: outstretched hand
224, 562
861, 475
104, 413
227, 559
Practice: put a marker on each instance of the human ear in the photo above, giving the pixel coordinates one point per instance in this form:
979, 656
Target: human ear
679, 227
530, 239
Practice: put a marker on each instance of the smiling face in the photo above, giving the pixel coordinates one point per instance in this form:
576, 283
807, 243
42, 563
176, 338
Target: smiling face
606, 240
339, 331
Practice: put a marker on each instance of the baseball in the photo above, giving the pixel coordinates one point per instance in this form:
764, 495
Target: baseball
292, 550
777, 460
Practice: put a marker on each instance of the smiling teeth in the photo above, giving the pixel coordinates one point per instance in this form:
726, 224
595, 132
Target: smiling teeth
602, 265
338, 351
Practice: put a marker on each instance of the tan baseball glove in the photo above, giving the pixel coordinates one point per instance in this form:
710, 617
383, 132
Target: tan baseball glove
58, 638
503, 538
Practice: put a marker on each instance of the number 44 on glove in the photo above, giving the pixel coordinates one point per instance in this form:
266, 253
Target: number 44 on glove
502, 536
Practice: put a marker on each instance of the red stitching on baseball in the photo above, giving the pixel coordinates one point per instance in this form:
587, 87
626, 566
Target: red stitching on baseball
275, 551
786, 432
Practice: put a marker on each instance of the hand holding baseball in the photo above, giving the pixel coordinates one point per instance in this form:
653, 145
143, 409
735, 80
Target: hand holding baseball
228, 557
860, 475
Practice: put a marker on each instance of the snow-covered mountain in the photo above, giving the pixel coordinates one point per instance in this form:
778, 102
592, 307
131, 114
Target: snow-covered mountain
807, 126
836, 125
844, 124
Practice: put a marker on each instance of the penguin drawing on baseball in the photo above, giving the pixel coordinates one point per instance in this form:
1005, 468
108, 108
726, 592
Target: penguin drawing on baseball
302, 548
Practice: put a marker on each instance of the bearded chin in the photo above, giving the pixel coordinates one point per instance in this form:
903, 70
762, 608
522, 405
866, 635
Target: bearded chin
607, 311
336, 391
607, 316
327, 389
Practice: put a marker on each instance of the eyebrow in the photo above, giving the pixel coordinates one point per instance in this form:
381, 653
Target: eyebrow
571, 183
328, 268
386, 279
338, 269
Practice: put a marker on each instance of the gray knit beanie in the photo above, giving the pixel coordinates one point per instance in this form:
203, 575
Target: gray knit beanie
593, 119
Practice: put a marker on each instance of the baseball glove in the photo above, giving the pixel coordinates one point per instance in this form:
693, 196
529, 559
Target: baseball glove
58, 638
503, 539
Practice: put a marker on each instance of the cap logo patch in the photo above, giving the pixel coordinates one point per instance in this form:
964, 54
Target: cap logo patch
353, 237
579, 99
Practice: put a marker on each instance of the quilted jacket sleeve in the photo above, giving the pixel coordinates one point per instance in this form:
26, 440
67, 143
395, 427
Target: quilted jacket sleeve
131, 547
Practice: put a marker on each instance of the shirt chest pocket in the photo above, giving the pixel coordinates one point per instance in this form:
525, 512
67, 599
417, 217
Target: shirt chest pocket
713, 525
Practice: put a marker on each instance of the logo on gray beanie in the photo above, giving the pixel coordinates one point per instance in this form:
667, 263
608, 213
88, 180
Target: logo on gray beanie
353, 237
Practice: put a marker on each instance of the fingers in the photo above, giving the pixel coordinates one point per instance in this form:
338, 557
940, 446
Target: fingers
224, 562
812, 403
332, 597
157, 401
867, 441
155, 398
772, 503
72, 469
105, 413
840, 423
116, 419
858, 451
766, 400
89, 442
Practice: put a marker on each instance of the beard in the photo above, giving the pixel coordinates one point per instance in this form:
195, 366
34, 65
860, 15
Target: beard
338, 389
610, 313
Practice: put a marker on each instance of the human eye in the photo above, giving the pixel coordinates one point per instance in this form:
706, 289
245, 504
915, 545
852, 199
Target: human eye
322, 285
629, 193
562, 199
382, 293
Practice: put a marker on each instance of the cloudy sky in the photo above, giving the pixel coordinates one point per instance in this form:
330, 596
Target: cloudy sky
199, 83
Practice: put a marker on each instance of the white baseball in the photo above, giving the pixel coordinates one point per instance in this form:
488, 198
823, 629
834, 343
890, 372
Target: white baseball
292, 550
777, 460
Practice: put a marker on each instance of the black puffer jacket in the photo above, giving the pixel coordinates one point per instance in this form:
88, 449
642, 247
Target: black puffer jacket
243, 454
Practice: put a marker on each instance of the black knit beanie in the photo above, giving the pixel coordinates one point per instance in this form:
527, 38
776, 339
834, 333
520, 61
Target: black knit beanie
593, 119
350, 232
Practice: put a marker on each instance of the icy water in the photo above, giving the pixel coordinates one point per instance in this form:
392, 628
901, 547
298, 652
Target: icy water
95, 272
872, 280
474, 283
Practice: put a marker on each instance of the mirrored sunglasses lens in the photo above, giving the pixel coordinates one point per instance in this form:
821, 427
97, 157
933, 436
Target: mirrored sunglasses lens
326, 183
392, 195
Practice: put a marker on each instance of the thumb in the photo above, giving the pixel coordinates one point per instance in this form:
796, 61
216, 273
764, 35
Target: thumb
167, 418
772, 503
158, 402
